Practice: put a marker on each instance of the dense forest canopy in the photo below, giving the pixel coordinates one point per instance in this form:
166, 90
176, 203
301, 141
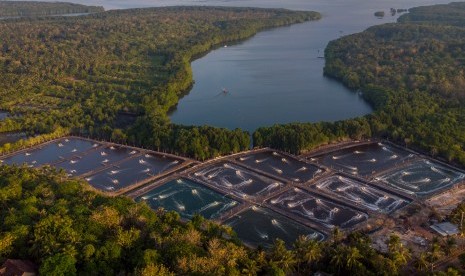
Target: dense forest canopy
33, 8
412, 72
81, 72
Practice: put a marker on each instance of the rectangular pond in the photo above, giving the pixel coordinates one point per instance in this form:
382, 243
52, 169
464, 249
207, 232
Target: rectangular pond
280, 165
363, 195
237, 180
421, 177
131, 171
258, 226
95, 160
188, 198
317, 209
51, 152
364, 159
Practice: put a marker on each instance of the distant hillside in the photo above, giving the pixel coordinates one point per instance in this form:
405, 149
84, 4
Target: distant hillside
32, 8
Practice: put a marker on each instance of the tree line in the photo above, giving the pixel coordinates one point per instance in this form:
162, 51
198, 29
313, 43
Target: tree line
79, 73
33, 8
411, 72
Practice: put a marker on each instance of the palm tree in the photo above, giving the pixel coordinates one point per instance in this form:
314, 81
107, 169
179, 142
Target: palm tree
449, 244
422, 263
282, 257
435, 252
313, 252
337, 235
401, 257
398, 253
250, 267
394, 243
338, 258
308, 251
299, 248
352, 258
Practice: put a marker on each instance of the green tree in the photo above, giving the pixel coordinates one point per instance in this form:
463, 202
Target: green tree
58, 265
308, 252
281, 257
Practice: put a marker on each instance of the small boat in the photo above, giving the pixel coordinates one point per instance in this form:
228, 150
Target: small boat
225, 91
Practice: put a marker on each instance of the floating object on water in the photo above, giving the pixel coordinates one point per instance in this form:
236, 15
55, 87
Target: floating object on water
102, 153
74, 150
73, 161
27, 154
60, 145
277, 170
142, 161
66, 140
115, 181
133, 152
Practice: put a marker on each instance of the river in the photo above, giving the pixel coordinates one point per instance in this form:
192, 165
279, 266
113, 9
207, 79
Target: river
276, 76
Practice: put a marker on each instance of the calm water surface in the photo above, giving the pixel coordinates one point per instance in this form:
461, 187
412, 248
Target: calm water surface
276, 76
